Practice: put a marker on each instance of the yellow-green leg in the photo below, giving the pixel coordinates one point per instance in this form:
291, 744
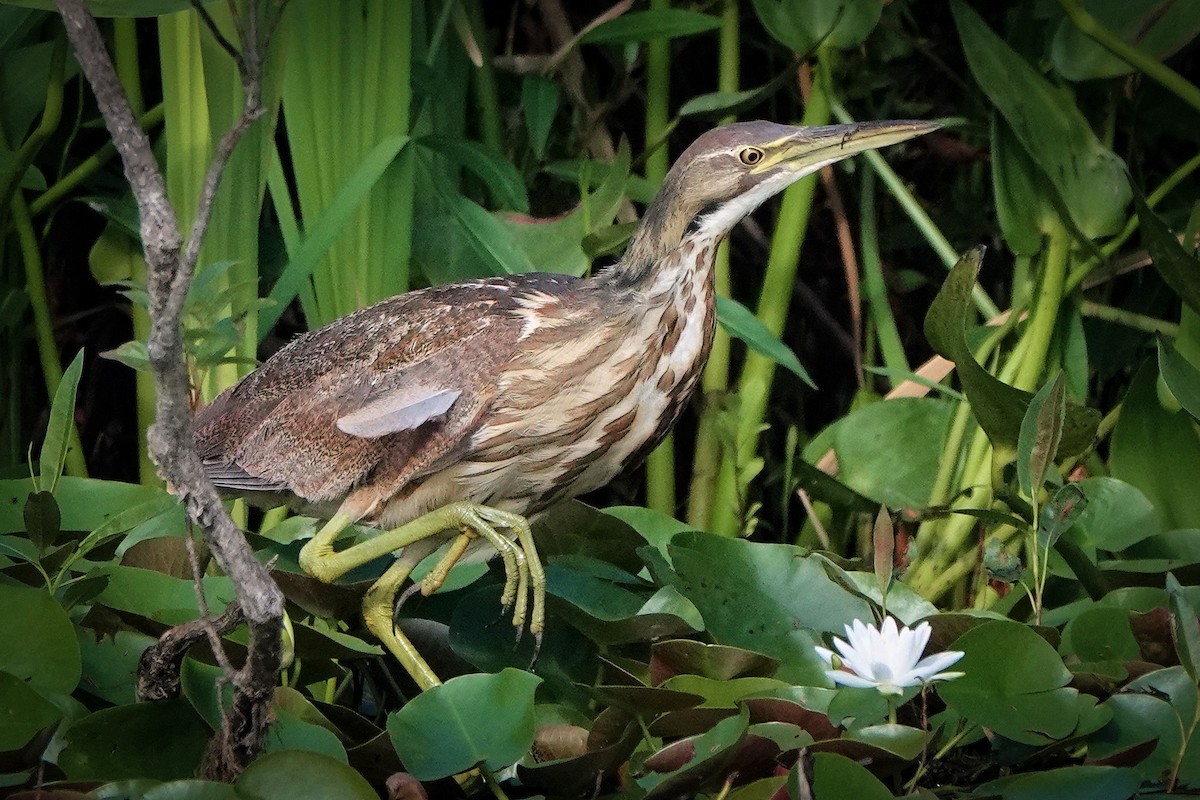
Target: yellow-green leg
418, 539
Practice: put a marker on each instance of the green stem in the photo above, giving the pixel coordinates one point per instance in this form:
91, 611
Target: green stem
660, 467
89, 166
1129, 319
707, 459
916, 212
125, 58
754, 384
1151, 67
1045, 312
43, 326
874, 286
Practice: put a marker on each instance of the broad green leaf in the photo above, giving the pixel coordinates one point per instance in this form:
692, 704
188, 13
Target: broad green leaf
322, 234
804, 25
1117, 516
1101, 633
719, 662
162, 597
539, 103
1157, 28
838, 776
301, 775
164, 741
438, 732
23, 712
1180, 376
289, 732
494, 245
1077, 780
998, 407
740, 322
62, 416
1144, 435
1090, 178
110, 663
37, 640
890, 451
1151, 712
1013, 683
770, 598
645, 26
1041, 432
1185, 628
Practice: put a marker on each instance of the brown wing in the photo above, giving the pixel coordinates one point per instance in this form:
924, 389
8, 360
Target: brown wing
394, 388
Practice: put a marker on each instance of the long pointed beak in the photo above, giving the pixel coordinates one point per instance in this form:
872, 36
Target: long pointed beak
828, 143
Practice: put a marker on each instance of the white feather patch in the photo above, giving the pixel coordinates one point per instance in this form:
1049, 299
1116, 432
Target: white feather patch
400, 410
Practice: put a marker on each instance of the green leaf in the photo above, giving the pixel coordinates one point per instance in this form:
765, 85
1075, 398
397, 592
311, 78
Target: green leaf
160, 597
1180, 376
502, 179
1144, 433
999, 408
804, 25
1041, 432
1185, 628
1157, 28
1117, 516
164, 741
117, 8
1178, 268
43, 520
1023, 210
883, 549
23, 712
1094, 783
192, 790
705, 757
1101, 633
322, 234
37, 640
1060, 513
539, 103
741, 323
770, 598
645, 26
289, 732
838, 776
300, 775
438, 733
890, 451
62, 416
1013, 683
1090, 178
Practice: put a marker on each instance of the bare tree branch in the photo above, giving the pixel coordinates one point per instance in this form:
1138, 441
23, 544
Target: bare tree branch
171, 266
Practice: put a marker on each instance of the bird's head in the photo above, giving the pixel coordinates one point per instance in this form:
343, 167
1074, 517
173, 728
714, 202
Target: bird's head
729, 171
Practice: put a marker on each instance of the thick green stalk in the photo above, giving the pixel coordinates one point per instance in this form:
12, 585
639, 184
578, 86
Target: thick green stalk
874, 285
1145, 63
707, 459
43, 326
1045, 311
754, 384
660, 467
125, 57
1130, 319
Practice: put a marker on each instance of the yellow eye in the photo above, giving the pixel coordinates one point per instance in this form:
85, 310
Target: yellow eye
750, 156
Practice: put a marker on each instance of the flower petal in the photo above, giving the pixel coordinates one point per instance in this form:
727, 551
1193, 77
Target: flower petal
937, 662
849, 679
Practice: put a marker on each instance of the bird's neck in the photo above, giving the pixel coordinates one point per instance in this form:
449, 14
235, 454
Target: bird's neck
667, 254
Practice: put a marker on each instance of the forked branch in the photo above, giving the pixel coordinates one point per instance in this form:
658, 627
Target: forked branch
172, 262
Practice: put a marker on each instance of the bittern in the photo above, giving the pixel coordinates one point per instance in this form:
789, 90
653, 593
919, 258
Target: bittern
456, 412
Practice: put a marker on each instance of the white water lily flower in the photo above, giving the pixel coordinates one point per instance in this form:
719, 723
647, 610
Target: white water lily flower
886, 658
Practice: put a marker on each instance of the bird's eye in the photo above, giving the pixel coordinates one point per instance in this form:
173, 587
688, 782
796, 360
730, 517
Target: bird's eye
750, 156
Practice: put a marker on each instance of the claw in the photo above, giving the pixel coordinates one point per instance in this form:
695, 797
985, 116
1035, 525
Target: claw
537, 649
400, 601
